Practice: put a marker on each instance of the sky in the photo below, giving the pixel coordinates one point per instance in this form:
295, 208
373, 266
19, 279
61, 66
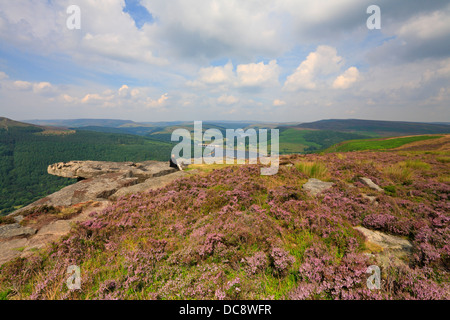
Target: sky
192, 60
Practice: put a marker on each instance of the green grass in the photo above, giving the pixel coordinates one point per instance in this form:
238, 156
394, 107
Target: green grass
308, 141
293, 141
377, 144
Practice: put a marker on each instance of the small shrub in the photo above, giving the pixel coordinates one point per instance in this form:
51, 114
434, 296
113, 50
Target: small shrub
281, 261
390, 190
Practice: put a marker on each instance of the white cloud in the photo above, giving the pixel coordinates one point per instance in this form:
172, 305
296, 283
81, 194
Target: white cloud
124, 91
323, 61
157, 103
246, 75
278, 102
345, 80
42, 87
258, 74
216, 75
426, 27
23, 85
3, 75
228, 100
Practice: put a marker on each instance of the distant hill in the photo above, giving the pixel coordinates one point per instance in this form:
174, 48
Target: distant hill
75, 123
6, 123
382, 128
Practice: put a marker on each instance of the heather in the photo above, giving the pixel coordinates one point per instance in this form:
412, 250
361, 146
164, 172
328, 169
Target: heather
231, 233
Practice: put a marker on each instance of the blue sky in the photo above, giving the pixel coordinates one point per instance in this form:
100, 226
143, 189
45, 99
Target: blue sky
138, 13
286, 60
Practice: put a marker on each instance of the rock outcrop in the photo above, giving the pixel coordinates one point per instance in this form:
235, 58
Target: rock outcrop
92, 169
100, 183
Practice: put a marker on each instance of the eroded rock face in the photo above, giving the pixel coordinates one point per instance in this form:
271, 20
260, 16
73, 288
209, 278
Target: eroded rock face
316, 186
91, 169
15, 230
105, 180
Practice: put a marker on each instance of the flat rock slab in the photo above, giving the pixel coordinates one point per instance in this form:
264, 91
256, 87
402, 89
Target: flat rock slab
149, 184
15, 230
369, 183
96, 189
91, 169
316, 186
11, 249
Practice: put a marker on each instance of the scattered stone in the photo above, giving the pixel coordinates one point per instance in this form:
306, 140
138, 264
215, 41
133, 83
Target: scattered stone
369, 183
316, 186
392, 247
372, 199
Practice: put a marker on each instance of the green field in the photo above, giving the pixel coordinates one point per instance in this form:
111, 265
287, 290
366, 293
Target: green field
377, 144
308, 141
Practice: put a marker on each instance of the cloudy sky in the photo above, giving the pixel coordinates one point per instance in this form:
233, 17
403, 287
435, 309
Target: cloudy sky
264, 60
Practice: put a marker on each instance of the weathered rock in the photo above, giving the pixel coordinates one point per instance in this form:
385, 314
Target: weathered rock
11, 249
315, 186
15, 230
91, 169
149, 184
391, 246
368, 182
97, 189
22, 247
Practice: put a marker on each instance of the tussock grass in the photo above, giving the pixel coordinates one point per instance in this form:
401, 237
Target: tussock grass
399, 173
443, 159
313, 169
416, 164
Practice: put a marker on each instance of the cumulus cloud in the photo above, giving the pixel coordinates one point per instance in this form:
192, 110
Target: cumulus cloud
258, 74
216, 75
246, 75
157, 103
345, 80
323, 61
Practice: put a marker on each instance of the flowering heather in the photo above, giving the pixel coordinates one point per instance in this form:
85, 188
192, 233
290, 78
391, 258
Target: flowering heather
234, 234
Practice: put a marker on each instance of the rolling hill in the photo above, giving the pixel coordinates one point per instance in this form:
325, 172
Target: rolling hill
388, 143
381, 128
